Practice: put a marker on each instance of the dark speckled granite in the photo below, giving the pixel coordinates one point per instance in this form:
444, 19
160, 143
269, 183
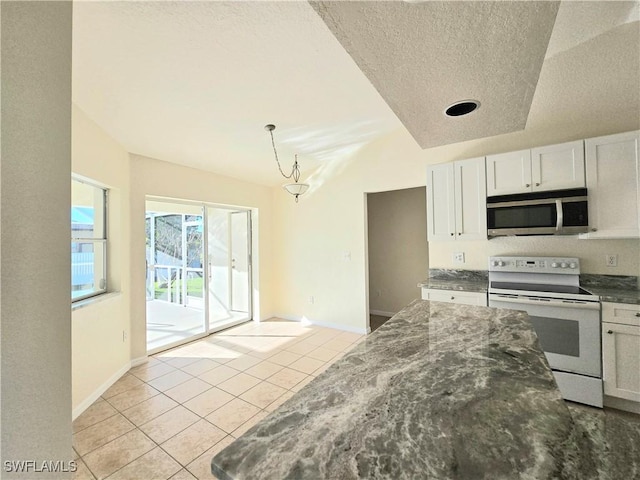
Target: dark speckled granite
458, 285
613, 439
612, 288
616, 295
617, 282
459, 280
454, 274
441, 391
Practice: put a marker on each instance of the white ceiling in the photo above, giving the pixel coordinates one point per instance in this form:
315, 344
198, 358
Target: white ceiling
195, 82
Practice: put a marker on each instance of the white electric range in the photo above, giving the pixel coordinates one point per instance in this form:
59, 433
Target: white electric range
565, 317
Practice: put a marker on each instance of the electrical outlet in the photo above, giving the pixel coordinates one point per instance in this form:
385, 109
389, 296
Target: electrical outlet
124, 335
311, 299
458, 257
611, 260
378, 293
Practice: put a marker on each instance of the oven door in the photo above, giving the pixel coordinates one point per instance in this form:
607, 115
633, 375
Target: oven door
568, 330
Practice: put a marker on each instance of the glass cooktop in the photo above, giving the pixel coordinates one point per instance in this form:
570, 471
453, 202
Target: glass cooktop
536, 287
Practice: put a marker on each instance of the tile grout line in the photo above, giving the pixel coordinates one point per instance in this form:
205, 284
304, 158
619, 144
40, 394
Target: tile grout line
261, 411
94, 474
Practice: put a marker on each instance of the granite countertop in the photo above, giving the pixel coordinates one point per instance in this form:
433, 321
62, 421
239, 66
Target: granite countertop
612, 288
615, 295
455, 284
441, 391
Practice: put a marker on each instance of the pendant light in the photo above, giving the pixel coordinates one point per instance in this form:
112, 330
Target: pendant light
296, 189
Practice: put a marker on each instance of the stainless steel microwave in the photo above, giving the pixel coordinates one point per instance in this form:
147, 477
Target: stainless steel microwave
557, 212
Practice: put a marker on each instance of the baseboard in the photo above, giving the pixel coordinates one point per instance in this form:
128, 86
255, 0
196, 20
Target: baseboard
622, 404
346, 328
87, 402
337, 326
381, 313
139, 361
287, 317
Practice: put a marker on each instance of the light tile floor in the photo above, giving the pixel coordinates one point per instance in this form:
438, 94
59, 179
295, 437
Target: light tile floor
166, 419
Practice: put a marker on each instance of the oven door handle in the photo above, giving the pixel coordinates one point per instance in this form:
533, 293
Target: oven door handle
559, 215
545, 302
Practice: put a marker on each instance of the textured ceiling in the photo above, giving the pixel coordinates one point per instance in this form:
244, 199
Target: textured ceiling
195, 82
423, 57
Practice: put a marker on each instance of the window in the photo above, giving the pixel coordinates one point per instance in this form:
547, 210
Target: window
88, 240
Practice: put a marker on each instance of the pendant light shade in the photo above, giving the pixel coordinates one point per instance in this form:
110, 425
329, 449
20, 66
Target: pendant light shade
296, 188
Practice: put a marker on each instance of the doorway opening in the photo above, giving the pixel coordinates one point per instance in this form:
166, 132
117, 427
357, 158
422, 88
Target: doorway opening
198, 277
397, 250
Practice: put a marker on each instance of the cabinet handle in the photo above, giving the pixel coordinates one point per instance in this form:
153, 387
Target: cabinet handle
537, 184
527, 185
638, 314
453, 298
609, 332
452, 234
594, 229
459, 233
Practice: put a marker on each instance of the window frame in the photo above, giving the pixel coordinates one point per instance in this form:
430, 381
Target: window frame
103, 289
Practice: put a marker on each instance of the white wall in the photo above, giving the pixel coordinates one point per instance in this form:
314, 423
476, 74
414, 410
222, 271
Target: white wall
162, 179
98, 349
311, 236
397, 247
36, 262
591, 252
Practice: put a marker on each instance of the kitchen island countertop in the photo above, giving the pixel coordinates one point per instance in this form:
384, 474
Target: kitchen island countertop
440, 391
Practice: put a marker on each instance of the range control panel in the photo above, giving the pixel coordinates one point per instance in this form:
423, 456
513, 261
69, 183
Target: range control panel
558, 265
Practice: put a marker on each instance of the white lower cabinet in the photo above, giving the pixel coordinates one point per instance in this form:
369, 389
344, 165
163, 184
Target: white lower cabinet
455, 296
621, 350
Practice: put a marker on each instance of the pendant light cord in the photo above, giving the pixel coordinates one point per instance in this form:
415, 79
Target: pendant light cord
295, 171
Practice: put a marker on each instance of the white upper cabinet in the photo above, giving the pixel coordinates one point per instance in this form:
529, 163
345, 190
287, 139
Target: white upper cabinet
509, 173
441, 217
613, 185
557, 167
457, 201
471, 199
554, 167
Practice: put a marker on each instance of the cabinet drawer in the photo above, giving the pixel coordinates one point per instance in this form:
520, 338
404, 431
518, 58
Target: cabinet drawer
455, 296
626, 314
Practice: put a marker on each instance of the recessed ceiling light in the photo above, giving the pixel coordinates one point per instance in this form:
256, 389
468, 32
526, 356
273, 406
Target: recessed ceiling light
464, 107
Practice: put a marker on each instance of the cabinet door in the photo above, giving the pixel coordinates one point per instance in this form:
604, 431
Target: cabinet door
613, 183
621, 361
509, 173
557, 167
441, 222
471, 199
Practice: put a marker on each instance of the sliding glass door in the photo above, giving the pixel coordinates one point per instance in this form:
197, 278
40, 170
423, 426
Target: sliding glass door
198, 271
175, 273
229, 238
